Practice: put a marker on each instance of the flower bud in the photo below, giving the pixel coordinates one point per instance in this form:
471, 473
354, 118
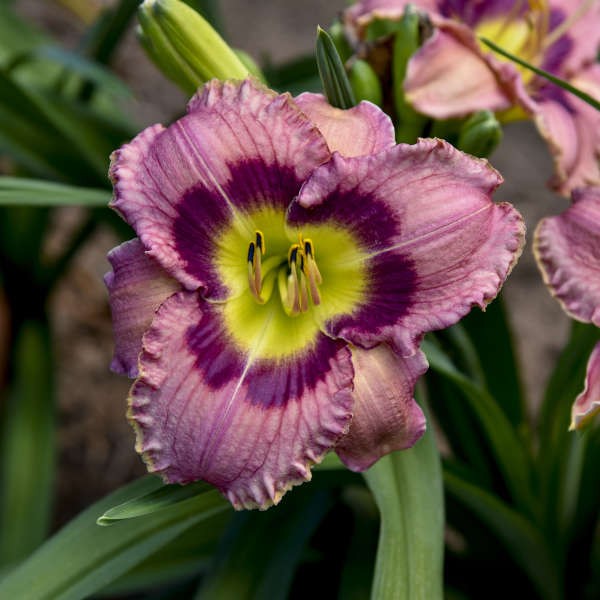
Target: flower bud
250, 64
336, 85
364, 82
406, 42
184, 46
338, 35
480, 134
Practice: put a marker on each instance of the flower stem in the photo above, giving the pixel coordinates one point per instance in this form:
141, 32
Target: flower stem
408, 489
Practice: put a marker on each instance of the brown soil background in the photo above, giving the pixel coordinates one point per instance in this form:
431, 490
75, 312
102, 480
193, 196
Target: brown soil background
95, 442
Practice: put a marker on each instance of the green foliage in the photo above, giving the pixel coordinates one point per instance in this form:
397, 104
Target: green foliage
336, 85
407, 487
260, 552
365, 83
28, 446
480, 134
406, 41
91, 557
21, 191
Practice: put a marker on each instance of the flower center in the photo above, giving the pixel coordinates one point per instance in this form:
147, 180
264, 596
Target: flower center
297, 276
522, 32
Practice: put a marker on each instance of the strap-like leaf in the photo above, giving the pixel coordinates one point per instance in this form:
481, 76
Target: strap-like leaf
524, 542
28, 445
260, 552
21, 191
83, 558
512, 458
492, 337
407, 487
184, 557
556, 443
156, 500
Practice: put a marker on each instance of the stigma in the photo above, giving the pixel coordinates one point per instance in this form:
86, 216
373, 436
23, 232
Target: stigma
297, 275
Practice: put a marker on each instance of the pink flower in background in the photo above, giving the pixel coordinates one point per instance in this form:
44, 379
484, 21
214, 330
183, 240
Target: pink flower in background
453, 74
567, 249
289, 258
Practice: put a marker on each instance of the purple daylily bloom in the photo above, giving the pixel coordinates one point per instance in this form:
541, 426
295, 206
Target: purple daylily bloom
453, 74
567, 249
289, 259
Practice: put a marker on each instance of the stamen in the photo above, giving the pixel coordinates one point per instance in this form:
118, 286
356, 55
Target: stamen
260, 241
257, 266
259, 280
557, 33
308, 248
511, 16
252, 273
312, 272
298, 280
303, 292
293, 296
293, 254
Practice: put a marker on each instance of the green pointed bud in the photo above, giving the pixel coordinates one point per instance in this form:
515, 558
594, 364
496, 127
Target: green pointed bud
335, 82
365, 83
184, 46
338, 35
406, 43
480, 134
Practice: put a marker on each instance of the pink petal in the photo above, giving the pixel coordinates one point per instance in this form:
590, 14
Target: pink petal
385, 415
137, 286
450, 76
361, 13
584, 31
572, 129
240, 147
437, 244
252, 427
567, 249
363, 129
587, 404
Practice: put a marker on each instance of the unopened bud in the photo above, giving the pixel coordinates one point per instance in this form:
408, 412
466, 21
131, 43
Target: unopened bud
406, 42
336, 85
480, 134
184, 46
364, 82
338, 35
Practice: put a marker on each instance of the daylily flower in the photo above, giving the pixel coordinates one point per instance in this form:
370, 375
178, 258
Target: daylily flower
453, 74
567, 249
289, 258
